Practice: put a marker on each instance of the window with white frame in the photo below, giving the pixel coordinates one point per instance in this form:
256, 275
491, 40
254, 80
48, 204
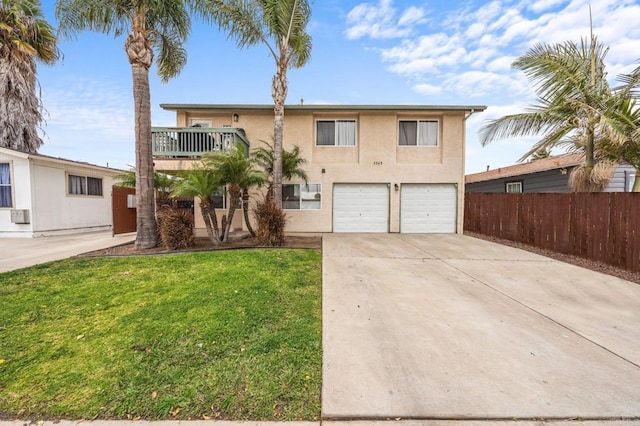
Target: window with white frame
336, 132
513, 187
84, 185
302, 196
6, 191
418, 133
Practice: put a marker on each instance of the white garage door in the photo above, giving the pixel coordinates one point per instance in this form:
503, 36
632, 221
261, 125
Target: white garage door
428, 208
361, 207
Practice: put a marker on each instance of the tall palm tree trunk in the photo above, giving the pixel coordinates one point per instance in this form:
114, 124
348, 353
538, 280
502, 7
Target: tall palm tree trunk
141, 56
279, 94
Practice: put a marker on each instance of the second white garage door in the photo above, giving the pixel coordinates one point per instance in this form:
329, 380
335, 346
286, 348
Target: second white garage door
428, 208
361, 207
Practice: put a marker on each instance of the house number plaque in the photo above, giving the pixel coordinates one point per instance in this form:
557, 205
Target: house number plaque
377, 163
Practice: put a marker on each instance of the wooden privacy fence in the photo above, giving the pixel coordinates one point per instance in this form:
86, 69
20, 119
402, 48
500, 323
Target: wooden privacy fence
604, 227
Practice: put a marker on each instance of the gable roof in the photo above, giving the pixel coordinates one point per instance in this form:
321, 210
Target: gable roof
323, 107
535, 166
57, 160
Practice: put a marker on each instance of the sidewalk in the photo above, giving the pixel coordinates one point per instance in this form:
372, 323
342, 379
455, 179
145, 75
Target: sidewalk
16, 253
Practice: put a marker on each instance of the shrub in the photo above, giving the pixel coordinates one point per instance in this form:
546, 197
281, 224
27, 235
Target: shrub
271, 221
176, 228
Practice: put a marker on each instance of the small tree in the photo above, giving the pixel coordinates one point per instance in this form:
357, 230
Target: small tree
201, 182
235, 170
292, 162
162, 182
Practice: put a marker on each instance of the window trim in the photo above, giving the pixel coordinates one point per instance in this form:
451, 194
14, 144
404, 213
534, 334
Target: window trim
629, 180
11, 185
307, 184
86, 178
194, 121
335, 120
514, 182
417, 120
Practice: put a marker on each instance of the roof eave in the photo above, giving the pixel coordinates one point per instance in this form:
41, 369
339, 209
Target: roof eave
323, 107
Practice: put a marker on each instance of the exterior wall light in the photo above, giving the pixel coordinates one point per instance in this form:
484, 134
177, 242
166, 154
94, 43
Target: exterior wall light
236, 117
396, 187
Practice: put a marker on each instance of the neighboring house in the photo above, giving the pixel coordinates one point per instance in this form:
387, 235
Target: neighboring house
549, 174
371, 168
41, 195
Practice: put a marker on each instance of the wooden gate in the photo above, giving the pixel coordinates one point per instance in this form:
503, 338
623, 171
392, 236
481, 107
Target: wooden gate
124, 218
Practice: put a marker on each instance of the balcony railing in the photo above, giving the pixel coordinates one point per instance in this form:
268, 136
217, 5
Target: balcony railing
192, 142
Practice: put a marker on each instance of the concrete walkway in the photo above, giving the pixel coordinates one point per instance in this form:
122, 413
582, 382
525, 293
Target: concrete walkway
452, 327
16, 253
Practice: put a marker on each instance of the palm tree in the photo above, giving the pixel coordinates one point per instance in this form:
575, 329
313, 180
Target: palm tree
233, 169
25, 36
623, 143
201, 182
570, 81
292, 162
162, 183
155, 28
281, 26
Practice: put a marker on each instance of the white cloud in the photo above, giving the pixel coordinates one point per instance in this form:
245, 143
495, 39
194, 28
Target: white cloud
427, 89
469, 53
380, 21
411, 16
543, 5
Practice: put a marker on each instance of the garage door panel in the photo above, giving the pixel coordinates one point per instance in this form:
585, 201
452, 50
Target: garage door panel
428, 208
360, 208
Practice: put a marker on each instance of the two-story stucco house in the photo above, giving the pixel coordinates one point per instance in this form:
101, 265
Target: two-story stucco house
371, 168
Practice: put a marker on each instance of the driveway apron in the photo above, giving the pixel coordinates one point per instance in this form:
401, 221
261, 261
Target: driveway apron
453, 327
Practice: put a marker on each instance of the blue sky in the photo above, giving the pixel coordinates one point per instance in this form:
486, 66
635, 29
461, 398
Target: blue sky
364, 52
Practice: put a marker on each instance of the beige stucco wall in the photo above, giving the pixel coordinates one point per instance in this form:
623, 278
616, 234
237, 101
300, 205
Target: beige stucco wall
376, 158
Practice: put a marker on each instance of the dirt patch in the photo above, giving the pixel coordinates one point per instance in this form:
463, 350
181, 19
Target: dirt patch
203, 244
567, 258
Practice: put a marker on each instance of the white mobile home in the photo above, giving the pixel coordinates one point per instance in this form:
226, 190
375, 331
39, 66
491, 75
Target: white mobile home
41, 195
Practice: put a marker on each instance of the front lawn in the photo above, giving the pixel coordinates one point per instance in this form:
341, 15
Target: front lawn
220, 335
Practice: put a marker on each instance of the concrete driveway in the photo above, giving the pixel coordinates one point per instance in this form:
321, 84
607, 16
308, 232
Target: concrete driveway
452, 327
16, 253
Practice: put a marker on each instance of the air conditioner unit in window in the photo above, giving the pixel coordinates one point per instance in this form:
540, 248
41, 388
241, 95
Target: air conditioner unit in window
20, 216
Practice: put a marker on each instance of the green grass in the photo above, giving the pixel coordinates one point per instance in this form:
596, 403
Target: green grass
229, 335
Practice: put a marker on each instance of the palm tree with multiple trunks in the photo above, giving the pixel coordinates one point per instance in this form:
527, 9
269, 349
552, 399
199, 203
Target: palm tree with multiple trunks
237, 172
25, 37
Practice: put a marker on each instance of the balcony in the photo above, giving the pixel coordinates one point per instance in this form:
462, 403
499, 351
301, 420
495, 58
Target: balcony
192, 142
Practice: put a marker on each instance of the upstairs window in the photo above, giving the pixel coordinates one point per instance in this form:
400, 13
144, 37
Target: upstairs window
513, 187
418, 133
84, 185
336, 132
6, 191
